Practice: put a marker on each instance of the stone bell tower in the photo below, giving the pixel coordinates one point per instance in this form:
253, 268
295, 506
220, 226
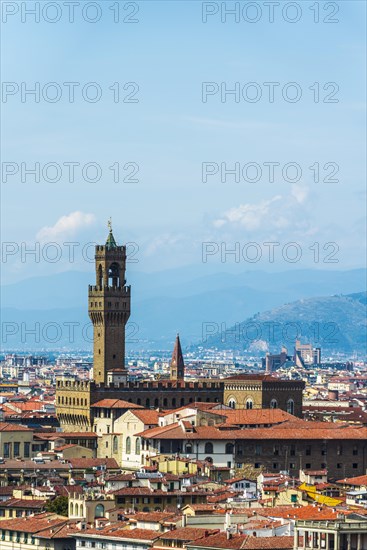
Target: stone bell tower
109, 310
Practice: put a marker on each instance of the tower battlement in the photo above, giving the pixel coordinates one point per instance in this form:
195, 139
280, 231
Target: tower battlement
96, 288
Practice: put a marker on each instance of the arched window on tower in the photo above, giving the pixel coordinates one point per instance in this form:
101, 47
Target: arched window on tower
249, 403
232, 403
128, 445
290, 406
137, 446
115, 444
114, 275
100, 276
273, 404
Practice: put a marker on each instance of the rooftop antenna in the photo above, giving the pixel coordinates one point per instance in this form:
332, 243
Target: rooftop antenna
109, 224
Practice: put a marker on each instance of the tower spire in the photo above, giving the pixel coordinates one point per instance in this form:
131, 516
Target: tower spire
110, 242
177, 367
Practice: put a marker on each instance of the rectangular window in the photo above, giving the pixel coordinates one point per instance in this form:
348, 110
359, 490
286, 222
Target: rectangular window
293, 498
275, 465
7, 447
339, 465
308, 465
27, 447
355, 465
308, 450
258, 450
16, 448
257, 465
292, 450
292, 466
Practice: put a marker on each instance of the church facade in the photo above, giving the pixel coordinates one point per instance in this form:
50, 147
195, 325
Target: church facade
109, 311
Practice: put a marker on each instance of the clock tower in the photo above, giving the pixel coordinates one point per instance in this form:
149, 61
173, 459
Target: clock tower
109, 311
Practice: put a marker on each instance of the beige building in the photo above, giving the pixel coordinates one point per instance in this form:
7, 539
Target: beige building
89, 507
133, 455
15, 441
107, 425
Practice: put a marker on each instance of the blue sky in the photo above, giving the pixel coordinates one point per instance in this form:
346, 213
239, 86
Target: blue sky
170, 132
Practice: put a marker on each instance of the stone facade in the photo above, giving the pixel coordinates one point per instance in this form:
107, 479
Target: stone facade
263, 392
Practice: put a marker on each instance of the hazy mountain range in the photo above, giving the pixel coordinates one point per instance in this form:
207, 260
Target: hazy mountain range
178, 300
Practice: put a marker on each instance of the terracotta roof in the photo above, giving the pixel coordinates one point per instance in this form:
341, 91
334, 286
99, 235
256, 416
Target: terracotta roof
46, 525
13, 464
359, 480
93, 462
23, 503
291, 430
5, 427
66, 435
147, 416
187, 533
153, 516
115, 531
116, 404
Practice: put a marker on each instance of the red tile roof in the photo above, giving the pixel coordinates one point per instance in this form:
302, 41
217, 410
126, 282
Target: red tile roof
357, 481
81, 463
187, 533
116, 404
147, 416
5, 427
289, 430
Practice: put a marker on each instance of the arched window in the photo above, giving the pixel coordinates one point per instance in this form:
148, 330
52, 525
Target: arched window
273, 404
174, 402
232, 403
156, 403
115, 444
182, 402
71, 509
128, 445
138, 401
290, 406
249, 403
165, 402
188, 448
99, 511
76, 510
147, 402
208, 448
137, 446
113, 274
229, 448
100, 276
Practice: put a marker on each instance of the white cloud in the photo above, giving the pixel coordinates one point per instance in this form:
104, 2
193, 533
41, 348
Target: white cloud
66, 226
250, 216
300, 193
